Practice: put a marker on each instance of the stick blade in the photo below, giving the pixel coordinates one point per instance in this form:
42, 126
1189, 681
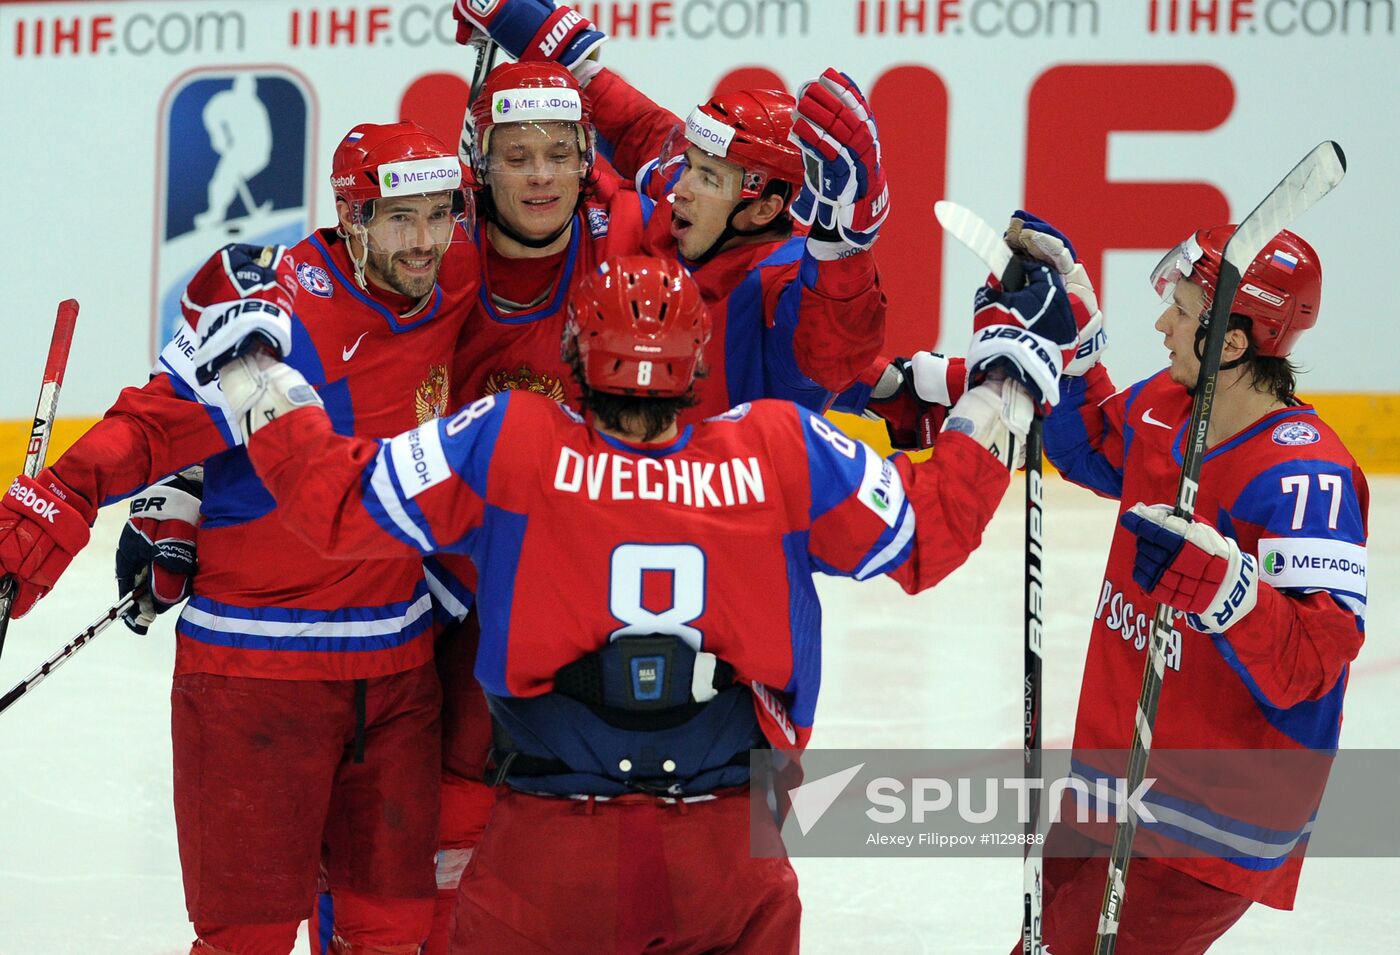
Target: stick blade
1317, 174
972, 231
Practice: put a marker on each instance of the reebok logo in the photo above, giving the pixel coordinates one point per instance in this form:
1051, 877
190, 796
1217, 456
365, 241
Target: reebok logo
28, 499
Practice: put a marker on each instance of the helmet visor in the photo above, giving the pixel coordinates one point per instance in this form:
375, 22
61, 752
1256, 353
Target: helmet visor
536, 150
703, 174
406, 223
1176, 265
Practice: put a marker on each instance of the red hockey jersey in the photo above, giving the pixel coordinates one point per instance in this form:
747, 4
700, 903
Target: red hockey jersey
788, 325
519, 350
578, 537
1286, 490
265, 604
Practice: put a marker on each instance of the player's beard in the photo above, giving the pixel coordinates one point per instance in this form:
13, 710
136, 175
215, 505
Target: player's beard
385, 269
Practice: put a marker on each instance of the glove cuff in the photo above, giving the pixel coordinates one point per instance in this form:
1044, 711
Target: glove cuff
1035, 360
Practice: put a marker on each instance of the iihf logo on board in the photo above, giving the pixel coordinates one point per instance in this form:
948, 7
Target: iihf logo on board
234, 165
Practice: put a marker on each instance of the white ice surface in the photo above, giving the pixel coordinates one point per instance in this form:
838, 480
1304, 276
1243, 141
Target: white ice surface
87, 842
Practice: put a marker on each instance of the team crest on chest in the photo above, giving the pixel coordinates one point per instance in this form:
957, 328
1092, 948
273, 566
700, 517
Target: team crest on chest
315, 280
430, 397
1296, 432
524, 379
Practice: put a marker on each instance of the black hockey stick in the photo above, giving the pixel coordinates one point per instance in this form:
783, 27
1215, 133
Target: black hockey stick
70, 648
44, 413
1315, 176
972, 231
486, 50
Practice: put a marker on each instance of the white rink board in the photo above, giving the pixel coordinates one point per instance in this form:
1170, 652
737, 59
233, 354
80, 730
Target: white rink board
88, 89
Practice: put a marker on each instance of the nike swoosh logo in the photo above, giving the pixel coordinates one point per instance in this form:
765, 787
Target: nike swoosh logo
348, 353
1148, 419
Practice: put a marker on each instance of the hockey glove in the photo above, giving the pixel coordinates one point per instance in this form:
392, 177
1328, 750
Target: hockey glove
913, 395
1190, 566
157, 547
846, 197
259, 389
43, 525
531, 29
996, 414
1042, 241
1029, 333
240, 300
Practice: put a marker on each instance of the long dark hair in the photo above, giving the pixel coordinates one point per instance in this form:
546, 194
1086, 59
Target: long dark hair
1269, 374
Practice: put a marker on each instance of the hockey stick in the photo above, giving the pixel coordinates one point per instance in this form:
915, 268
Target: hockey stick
486, 50
972, 231
72, 647
44, 413
1315, 176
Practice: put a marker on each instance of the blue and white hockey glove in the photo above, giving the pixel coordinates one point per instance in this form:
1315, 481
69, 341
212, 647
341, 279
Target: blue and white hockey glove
1029, 332
157, 547
1190, 566
532, 29
240, 301
1040, 240
846, 190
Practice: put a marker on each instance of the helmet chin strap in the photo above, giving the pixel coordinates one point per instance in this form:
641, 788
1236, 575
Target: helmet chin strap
730, 231
493, 216
358, 262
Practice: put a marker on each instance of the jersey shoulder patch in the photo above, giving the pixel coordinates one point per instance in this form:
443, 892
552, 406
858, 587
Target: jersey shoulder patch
1295, 433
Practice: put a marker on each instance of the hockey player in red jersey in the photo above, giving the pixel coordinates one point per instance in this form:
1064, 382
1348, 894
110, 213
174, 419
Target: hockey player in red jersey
305, 707
550, 212
1269, 581
551, 209
795, 316
604, 548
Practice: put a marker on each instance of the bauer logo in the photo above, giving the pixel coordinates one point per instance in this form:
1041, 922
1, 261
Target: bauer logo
233, 165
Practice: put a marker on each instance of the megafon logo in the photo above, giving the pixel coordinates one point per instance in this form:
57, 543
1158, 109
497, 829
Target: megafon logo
1273, 563
503, 106
391, 180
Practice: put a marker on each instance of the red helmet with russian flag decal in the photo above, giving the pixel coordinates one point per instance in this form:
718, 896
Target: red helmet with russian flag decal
1280, 292
401, 196
396, 159
638, 327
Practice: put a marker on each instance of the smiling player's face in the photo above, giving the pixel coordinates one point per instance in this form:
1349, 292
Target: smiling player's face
536, 172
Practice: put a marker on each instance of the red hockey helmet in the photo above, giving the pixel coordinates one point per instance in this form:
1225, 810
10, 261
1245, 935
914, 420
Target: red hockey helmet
397, 159
750, 129
1280, 292
534, 92
639, 327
